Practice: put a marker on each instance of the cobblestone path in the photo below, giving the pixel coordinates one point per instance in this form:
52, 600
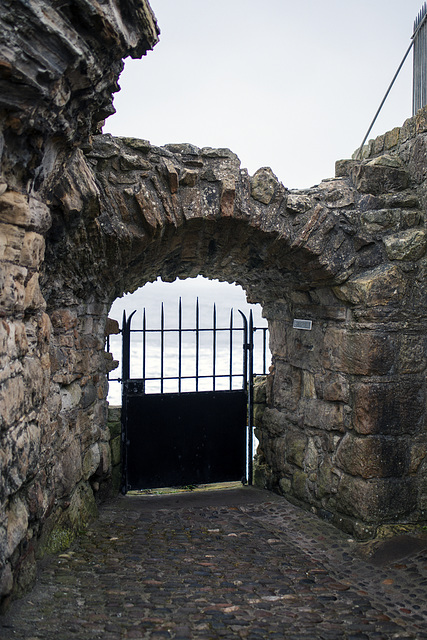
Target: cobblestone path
240, 563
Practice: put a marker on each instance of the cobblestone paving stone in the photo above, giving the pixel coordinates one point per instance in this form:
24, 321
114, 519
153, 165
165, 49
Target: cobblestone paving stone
233, 564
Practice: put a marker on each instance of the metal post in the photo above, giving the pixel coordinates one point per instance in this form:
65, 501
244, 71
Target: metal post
197, 344
162, 346
179, 344
214, 349
250, 397
245, 351
126, 324
144, 346
126, 346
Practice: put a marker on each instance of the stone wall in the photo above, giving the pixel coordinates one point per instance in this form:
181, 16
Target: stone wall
345, 428
59, 64
86, 217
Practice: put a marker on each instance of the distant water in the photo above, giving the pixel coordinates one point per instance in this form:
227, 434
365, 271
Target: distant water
225, 296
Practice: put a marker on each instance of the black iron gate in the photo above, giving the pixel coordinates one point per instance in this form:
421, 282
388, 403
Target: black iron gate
187, 437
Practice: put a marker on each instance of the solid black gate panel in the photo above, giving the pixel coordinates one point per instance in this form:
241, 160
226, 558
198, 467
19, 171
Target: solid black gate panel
182, 439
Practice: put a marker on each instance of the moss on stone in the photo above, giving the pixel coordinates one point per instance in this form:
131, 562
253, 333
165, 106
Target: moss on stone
59, 540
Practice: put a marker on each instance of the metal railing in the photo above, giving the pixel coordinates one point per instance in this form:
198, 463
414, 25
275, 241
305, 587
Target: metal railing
155, 354
419, 42
419, 98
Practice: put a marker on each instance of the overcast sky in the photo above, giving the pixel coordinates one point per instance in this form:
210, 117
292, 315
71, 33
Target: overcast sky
288, 84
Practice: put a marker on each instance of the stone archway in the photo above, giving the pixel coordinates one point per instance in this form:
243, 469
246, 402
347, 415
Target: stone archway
343, 429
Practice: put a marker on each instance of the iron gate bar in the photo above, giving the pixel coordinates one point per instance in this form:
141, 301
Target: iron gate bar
245, 347
179, 345
250, 377
144, 343
197, 344
231, 348
162, 346
214, 347
126, 345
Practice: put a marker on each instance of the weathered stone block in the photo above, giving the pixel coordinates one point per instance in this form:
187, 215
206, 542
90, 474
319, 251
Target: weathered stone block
330, 416
12, 289
6, 580
68, 469
411, 218
263, 185
311, 458
115, 451
304, 348
299, 485
376, 500
380, 175
366, 353
406, 245
421, 120
274, 422
298, 203
379, 144
379, 220
391, 139
12, 394
17, 524
91, 461
21, 456
407, 131
258, 413
286, 390
327, 480
32, 253
260, 390
277, 338
114, 420
70, 396
285, 486
412, 354
308, 385
33, 299
380, 286
11, 242
333, 387
295, 447
373, 456
388, 408
417, 455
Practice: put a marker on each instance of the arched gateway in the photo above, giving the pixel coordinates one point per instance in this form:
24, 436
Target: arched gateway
85, 217
343, 430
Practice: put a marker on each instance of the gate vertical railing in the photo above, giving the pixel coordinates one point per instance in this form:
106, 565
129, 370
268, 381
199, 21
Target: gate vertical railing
419, 98
248, 363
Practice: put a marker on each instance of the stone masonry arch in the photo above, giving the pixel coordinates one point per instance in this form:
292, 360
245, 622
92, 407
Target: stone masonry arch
343, 428
85, 217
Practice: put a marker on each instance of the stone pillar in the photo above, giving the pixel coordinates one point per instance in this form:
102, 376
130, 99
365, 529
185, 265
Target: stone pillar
343, 433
